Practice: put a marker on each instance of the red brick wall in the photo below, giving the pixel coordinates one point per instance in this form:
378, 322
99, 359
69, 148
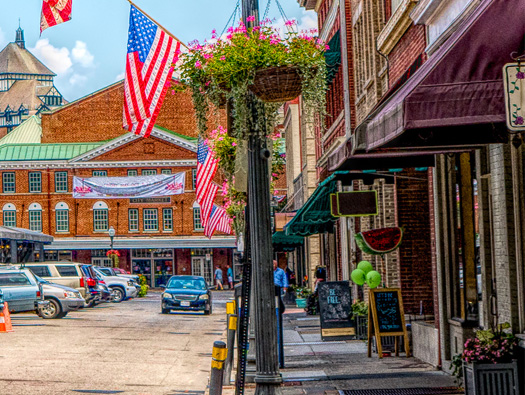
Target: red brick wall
409, 47
416, 277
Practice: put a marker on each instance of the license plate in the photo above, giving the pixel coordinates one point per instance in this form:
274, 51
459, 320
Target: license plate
185, 304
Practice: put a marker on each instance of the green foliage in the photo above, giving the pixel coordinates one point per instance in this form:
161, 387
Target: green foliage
144, 287
303, 292
360, 308
225, 68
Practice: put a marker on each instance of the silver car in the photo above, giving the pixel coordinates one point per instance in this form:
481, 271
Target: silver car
61, 299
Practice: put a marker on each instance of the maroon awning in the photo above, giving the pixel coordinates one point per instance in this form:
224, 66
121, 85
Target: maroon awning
456, 97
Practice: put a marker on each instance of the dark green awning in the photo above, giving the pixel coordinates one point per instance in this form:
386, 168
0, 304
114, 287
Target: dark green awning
282, 242
333, 57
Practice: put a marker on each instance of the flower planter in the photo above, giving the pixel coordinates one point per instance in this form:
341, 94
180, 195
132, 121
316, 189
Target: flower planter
277, 84
300, 302
489, 378
362, 327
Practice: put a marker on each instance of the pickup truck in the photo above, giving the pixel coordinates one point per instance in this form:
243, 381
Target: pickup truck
21, 291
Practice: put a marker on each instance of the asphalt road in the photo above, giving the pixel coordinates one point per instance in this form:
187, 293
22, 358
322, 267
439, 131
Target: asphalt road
127, 348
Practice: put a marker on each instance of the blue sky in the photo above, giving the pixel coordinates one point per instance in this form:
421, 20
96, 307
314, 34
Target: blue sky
89, 52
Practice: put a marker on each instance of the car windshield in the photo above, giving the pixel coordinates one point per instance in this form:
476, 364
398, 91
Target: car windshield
187, 283
13, 279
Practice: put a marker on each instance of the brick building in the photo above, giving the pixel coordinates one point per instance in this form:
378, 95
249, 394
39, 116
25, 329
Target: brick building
156, 237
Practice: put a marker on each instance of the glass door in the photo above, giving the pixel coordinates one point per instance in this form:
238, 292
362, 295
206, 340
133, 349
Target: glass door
142, 266
163, 271
200, 266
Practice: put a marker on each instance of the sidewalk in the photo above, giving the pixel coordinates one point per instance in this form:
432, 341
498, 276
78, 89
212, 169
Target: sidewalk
314, 367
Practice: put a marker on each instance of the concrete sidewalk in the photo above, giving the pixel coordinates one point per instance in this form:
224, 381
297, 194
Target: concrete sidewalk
316, 367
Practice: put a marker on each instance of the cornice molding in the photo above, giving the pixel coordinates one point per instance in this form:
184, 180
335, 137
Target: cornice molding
424, 10
329, 21
42, 165
396, 27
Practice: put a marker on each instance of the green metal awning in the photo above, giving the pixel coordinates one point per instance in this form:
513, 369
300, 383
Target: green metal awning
315, 216
283, 242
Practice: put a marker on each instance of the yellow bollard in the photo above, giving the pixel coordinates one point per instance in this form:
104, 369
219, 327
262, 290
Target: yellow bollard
218, 357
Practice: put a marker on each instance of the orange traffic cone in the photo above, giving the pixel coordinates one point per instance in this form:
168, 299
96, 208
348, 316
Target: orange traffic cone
5, 320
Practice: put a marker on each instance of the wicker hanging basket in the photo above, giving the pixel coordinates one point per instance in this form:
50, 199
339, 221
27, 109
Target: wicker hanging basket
277, 84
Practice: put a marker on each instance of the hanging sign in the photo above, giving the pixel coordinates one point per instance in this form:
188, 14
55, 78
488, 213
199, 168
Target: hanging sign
128, 187
353, 203
514, 88
386, 317
335, 304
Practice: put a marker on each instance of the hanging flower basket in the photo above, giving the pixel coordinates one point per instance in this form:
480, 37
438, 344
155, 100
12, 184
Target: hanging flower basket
277, 84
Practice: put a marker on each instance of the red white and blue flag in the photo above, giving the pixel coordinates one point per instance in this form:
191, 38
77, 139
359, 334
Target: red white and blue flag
149, 67
55, 12
218, 221
207, 166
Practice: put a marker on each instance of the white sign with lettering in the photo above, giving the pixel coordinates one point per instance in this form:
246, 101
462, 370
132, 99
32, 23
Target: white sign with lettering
514, 83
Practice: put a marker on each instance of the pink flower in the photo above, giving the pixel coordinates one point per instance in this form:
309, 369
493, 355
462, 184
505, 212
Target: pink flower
198, 64
234, 144
291, 22
223, 57
327, 47
220, 138
274, 41
251, 18
230, 29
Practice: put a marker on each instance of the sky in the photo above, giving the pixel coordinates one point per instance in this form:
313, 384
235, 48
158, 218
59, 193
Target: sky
89, 52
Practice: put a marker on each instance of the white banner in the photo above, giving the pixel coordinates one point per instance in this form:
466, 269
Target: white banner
514, 85
128, 187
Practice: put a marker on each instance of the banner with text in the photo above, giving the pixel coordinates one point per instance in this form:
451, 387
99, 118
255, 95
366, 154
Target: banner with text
128, 187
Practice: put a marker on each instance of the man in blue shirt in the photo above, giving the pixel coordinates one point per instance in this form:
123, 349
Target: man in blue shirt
281, 284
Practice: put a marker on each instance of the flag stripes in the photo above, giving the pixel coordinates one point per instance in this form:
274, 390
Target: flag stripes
55, 12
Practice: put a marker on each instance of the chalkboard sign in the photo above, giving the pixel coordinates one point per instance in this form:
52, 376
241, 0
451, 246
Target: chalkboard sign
335, 305
388, 312
354, 203
386, 317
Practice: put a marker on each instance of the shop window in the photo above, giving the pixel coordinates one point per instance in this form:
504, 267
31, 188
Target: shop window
8, 183
35, 182
150, 219
61, 181
133, 219
167, 219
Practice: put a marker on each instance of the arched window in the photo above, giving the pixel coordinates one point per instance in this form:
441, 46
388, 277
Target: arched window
62, 217
35, 217
9, 215
100, 217
197, 220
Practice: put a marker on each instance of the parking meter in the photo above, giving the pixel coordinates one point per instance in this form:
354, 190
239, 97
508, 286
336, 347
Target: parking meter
1, 300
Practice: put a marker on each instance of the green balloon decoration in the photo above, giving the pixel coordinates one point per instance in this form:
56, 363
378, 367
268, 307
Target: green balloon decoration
365, 266
358, 276
373, 279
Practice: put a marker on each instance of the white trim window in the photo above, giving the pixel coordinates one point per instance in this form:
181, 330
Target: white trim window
150, 219
133, 173
165, 171
193, 179
100, 217
100, 173
62, 217
61, 181
35, 217
133, 219
35, 182
149, 172
8, 182
9, 215
197, 222
167, 219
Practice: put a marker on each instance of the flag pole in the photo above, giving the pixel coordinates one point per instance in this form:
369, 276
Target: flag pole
162, 27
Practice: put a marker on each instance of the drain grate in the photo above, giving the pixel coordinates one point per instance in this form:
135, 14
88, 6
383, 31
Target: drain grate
406, 391
313, 343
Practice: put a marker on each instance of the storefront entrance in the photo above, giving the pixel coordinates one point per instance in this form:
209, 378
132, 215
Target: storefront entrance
200, 266
156, 265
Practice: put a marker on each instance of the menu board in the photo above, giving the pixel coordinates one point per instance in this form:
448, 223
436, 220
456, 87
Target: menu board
335, 305
388, 311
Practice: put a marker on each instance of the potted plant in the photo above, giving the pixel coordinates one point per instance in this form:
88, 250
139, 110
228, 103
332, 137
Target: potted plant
114, 256
487, 364
360, 312
302, 294
276, 67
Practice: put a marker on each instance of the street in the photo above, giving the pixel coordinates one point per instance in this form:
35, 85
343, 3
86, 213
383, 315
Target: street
128, 348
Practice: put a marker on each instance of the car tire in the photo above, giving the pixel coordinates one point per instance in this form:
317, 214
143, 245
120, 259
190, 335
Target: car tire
91, 303
118, 294
63, 314
53, 311
164, 311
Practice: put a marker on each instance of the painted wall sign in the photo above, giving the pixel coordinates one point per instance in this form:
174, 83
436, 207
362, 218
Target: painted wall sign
128, 187
514, 84
335, 305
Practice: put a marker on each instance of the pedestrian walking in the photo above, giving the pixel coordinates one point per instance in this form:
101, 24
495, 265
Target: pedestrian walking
281, 284
218, 278
229, 274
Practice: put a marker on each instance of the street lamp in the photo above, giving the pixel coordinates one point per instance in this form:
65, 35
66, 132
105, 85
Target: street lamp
111, 233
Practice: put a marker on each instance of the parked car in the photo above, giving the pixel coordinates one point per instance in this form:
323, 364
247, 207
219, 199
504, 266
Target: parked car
189, 293
61, 299
92, 283
119, 270
122, 288
65, 273
111, 271
21, 290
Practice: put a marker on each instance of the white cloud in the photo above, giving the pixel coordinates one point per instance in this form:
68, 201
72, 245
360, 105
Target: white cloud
82, 55
308, 21
57, 60
77, 79
120, 77
3, 40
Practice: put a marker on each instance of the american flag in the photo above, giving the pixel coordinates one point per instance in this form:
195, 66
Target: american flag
207, 203
207, 166
151, 54
218, 220
54, 12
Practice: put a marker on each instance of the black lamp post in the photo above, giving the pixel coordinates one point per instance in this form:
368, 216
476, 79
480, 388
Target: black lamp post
267, 378
111, 233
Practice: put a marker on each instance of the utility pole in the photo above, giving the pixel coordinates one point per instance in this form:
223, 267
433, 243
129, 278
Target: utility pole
268, 379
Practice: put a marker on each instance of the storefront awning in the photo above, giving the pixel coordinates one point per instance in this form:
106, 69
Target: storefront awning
282, 242
20, 234
456, 97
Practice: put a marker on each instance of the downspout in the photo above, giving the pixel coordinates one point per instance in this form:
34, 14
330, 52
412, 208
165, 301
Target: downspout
48, 202
346, 79
22, 219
